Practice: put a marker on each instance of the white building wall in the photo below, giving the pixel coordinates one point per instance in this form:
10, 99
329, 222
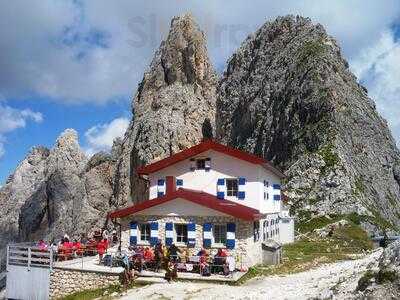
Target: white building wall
180, 207
222, 166
269, 205
286, 230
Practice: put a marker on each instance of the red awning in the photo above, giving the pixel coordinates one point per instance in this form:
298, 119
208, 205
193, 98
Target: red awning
224, 206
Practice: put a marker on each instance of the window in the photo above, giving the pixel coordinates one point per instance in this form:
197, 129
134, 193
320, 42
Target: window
232, 187
181, 233
265, 230
144, 230
266, 194
201, 164
219, 232
256, 226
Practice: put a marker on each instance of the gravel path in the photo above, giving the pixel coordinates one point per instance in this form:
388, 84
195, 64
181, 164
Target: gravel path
337, 280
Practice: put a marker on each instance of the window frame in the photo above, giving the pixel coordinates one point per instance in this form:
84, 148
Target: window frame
232, 192
147, 234
219, 244
183, 236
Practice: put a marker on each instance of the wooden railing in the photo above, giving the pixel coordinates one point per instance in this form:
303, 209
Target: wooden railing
29, 256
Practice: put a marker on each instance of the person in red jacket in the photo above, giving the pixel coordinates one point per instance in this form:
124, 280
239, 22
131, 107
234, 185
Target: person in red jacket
77, 247
102, 248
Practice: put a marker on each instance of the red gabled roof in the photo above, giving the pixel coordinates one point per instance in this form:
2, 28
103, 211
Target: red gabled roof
205, 146
224, 206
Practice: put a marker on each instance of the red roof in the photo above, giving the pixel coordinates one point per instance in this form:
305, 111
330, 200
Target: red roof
224, 206
205, 146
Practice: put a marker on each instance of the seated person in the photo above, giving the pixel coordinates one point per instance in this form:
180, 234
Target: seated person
222, 252
184, 256
173, 253
148, 254
220, 257
171, 271
68, 251
42, 245
84, 240
77, 247
101, 249
202, 253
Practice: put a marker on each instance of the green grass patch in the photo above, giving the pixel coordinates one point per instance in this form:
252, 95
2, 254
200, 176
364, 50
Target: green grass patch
313, 223
313, 251
359, 187
330, 158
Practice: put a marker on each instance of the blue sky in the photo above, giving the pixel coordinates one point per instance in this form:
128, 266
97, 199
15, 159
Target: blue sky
76, 64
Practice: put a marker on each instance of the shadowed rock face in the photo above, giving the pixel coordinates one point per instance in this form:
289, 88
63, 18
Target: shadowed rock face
288, 95
174, 99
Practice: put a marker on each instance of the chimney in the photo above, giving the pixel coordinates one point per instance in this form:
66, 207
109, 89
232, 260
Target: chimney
171, 184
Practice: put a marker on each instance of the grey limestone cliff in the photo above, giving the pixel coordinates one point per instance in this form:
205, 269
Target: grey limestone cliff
56, 191
173, 101
287, 94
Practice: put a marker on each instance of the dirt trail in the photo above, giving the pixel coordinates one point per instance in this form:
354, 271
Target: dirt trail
336, 280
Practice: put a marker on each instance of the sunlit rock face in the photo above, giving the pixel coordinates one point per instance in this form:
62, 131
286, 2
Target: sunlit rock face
287, 94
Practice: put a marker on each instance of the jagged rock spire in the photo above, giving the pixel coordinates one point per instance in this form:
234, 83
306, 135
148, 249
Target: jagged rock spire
175, 97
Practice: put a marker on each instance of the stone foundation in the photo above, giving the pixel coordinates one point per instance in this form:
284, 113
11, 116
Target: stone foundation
65, 282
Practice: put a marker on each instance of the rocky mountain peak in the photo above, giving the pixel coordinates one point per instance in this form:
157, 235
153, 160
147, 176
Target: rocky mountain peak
174, 99
288, 95
184, 55
67, 153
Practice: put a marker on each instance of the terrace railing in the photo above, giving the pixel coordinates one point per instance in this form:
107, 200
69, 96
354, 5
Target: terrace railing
29, 255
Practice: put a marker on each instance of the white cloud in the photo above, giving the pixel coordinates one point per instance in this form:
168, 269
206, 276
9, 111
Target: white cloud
96, 51
12, 119
101, 137
378, 68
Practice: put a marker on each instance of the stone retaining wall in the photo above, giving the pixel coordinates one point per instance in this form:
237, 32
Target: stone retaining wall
64, 282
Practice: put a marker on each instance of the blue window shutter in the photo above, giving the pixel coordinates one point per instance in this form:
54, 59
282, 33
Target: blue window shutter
277, 186
133, 233
220, 195
153, 233
191, 228
230, 235
160, 188
169, 233
242, 181
277, 197
207, 236
221, 188
179, 182
242, 188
